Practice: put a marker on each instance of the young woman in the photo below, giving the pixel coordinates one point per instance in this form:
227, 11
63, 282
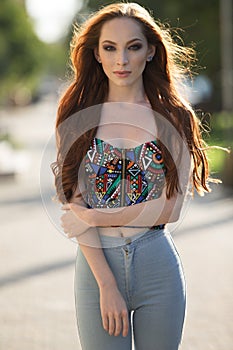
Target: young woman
129, 146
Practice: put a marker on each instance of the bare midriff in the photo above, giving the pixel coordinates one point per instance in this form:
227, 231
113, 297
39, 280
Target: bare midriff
121, 231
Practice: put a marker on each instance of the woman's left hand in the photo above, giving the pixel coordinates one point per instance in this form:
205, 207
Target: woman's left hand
74, 221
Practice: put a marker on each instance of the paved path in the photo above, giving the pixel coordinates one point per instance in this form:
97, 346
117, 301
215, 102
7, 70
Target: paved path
37, 263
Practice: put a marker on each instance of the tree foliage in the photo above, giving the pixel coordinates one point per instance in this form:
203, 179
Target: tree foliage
21, 52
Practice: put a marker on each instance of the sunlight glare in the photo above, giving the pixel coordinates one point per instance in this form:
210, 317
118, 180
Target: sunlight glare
52, 17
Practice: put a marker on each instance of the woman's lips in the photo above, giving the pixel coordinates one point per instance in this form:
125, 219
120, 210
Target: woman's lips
122, 74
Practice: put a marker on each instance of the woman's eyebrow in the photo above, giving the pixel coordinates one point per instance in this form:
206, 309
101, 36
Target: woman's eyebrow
128, 42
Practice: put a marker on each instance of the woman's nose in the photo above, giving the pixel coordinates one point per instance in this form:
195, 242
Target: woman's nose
122, 58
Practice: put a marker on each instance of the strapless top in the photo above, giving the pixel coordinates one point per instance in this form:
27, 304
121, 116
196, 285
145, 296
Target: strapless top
117, 177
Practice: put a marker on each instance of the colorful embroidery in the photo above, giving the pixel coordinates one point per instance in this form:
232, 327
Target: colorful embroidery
121, 177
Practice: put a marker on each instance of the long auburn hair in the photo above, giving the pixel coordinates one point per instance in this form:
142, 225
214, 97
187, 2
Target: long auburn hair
89, 87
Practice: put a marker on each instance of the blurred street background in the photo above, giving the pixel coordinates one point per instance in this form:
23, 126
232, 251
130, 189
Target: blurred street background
37, 308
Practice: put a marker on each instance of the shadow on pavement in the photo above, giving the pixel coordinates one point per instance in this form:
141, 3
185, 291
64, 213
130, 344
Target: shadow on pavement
202, 226
25, 274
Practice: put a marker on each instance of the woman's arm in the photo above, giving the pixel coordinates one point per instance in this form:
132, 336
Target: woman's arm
112, 305
146, 214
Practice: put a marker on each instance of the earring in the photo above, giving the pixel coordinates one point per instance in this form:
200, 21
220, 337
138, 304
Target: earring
150, 58
99, 60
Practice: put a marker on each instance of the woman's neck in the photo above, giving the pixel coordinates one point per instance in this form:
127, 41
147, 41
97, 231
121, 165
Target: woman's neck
128, 94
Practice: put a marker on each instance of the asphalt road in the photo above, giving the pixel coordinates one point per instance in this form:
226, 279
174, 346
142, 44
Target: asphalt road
37, 262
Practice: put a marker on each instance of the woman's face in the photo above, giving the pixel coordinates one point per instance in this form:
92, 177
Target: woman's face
123, 51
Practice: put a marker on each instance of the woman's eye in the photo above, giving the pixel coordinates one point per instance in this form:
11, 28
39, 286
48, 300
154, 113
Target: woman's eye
135, 47
109, 48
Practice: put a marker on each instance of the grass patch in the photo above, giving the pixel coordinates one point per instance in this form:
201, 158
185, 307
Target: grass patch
217, 159
221, 135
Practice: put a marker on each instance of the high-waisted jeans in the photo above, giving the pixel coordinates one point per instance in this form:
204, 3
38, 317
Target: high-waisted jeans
149, 275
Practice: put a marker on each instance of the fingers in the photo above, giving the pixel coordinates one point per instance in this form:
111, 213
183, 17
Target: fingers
105, 322
66, 206
115, 324
125, 323
118, 325
111, 324
67, 224
63, 217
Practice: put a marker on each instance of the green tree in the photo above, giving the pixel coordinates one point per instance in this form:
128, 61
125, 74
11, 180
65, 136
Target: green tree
21, 52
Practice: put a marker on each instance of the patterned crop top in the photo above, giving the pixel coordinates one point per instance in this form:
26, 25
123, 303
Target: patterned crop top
117, 177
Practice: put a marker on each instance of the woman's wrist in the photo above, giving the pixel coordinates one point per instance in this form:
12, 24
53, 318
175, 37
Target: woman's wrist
107, 282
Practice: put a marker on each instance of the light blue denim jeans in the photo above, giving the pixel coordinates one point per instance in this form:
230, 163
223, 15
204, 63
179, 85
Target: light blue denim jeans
149, 275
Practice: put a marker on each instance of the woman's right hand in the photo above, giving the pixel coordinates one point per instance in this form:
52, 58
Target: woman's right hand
114, 313
72, 225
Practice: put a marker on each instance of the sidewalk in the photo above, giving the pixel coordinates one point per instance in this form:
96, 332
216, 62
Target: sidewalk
37, 262
205, 244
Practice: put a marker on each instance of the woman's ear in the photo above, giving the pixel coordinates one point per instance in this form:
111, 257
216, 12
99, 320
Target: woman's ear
151, 52
96, 54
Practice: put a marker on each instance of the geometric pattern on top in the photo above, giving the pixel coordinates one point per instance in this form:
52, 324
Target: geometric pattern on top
117, 177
